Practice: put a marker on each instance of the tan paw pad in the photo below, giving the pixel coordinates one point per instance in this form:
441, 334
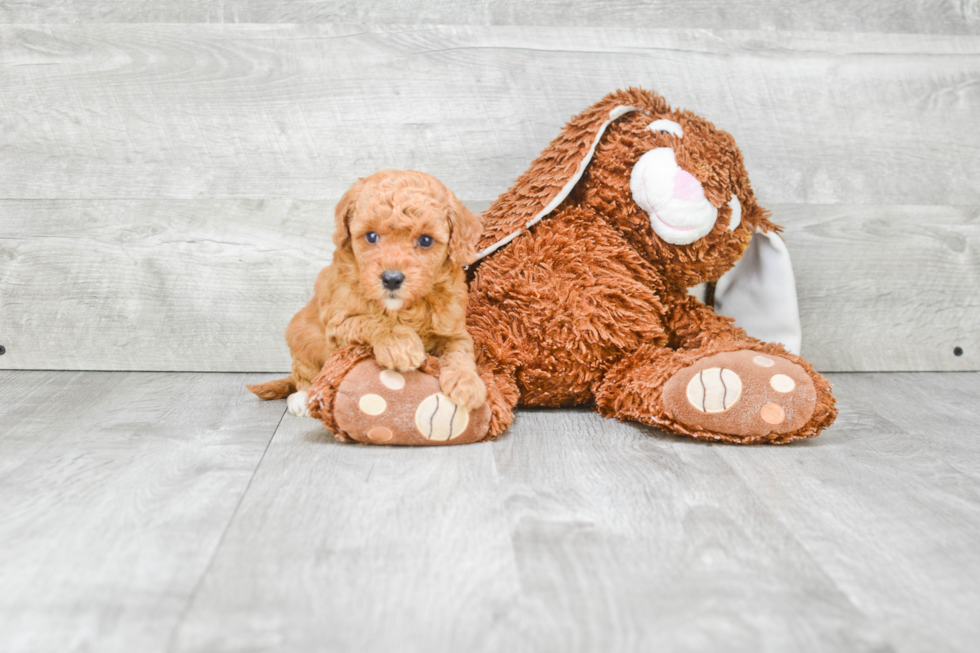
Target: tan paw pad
773, 413
380, 434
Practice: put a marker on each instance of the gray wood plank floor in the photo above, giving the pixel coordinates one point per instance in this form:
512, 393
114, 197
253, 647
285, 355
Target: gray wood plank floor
175, 512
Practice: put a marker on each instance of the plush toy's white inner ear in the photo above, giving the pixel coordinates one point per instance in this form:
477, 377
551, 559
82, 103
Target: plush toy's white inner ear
669, 126
736, 207
760, 293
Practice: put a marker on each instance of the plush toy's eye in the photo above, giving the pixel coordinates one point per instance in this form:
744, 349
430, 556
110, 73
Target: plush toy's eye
372, 237
666, 126
425, 241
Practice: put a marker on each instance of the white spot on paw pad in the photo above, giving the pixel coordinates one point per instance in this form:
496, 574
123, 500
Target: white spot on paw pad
714, 390
439, 418
763, 361
296, 404
392, 380
773, 413
782, 383
372, 404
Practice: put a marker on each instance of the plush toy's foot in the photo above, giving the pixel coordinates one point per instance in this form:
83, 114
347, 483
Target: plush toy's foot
743, 394
762, 394
379, 406
361, 401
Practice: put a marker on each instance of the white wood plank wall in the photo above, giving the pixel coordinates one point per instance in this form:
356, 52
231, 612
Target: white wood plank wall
166, 189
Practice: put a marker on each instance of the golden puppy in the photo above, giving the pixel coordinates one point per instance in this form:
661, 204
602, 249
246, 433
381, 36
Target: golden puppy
396, 283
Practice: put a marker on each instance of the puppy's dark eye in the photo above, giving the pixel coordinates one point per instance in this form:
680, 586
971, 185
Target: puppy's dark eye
372, 237
425, 241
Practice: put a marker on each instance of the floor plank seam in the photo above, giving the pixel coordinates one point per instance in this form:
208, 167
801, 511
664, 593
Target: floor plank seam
182, 617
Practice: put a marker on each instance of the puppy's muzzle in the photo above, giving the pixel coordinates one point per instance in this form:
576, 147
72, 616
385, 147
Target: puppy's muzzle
392, 280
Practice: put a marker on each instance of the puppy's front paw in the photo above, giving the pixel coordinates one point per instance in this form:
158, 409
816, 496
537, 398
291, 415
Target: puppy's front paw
464, 387
401, 355
296, 404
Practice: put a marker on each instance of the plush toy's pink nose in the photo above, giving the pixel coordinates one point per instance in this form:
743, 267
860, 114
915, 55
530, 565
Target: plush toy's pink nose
687, 187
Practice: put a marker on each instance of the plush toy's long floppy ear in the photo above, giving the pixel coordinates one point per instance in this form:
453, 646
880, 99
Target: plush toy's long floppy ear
760, 292
553, 175
343, 213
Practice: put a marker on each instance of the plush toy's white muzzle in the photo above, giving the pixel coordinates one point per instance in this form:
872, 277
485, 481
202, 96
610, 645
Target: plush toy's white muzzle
674, 199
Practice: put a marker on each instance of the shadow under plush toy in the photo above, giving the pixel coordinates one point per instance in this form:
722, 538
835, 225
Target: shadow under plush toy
580, 297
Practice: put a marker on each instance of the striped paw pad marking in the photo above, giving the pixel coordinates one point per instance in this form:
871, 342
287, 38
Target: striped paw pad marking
438, 418
782, 383
392, 380
372, 404
763, 361
773, 413
714, 390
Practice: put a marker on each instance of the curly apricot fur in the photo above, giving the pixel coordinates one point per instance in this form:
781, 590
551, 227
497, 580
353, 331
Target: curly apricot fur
426, 314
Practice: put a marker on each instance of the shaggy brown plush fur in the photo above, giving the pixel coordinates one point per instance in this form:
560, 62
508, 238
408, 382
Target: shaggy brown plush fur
590, 306
380, 224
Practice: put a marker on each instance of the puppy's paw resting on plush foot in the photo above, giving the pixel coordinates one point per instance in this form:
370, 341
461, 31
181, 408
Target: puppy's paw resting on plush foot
464, 387
296, 404
374, 405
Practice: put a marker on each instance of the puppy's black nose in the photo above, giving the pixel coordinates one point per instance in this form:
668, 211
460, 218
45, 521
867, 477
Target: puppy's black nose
392, 280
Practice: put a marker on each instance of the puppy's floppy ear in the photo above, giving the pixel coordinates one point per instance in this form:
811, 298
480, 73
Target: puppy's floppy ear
343, 213
465, 228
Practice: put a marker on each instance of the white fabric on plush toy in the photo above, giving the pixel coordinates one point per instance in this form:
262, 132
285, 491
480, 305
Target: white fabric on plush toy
760, 293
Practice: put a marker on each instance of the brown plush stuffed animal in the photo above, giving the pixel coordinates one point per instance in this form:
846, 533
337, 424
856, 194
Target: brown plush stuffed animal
579, 295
